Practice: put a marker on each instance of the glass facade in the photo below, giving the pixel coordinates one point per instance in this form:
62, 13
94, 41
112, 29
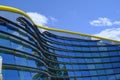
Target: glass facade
31, 53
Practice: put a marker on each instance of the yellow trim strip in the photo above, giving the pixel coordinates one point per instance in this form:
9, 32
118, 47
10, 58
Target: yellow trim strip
77, 33
15, 10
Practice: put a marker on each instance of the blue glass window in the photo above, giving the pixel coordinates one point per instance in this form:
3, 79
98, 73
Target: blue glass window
105, 60
92, 43
93, 73
20, 61
97, 60
3, 28
117, 76
94, 78
69, 66
101, 71
71, 73
27, 50
91, 66
25, 75
93, 48
4, 42
103, 78
85, 73
116, 64
113, 53
86, 49
81, 61
75, 66
104, 53
99, 65
116, 70
77, 73
107, 65
111, 77
17, 46
11, 75
95, 54
31, 63
102, 48
7, 58
113, 59
87, 54
86, 78
110, 71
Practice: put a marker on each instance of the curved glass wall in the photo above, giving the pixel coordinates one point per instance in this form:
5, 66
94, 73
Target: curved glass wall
82, 59
31, 53
20, 49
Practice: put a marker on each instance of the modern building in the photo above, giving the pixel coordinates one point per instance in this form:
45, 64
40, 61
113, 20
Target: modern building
33, 52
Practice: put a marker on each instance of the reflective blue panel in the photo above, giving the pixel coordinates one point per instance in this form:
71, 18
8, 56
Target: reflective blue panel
11, 75
104, 53
102, 48
17, 46
85, 73
78, 73
117, 76
107, 65
116, 64
117, 70
92, 43
103, 78
109, 71
97, 60
90, 66
5, 42
95, 54
86, 78
69, 66
7, 58
75, 66
99, 65
21, 61
94, 78
113, 59
87, 54
25, 75
85, 49
93, 72
101, 72
3, 28
31, 63
111, 77
27, 50
93, 48
105, 60
113, 53
71, 73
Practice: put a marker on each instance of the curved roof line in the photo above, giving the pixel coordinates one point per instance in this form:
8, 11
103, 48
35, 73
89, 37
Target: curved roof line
15, 10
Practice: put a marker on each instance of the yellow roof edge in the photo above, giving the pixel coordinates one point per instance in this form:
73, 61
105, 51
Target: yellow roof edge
66, 31
15, 10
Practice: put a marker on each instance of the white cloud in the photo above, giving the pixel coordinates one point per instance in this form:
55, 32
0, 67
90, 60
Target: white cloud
112, 33
104, 22
38, 18
53, 19
41, 19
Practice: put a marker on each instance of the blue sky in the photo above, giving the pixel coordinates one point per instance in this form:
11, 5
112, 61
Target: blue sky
96, 17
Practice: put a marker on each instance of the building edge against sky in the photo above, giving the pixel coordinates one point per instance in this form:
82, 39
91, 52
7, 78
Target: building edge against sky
15, 10
52, 53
